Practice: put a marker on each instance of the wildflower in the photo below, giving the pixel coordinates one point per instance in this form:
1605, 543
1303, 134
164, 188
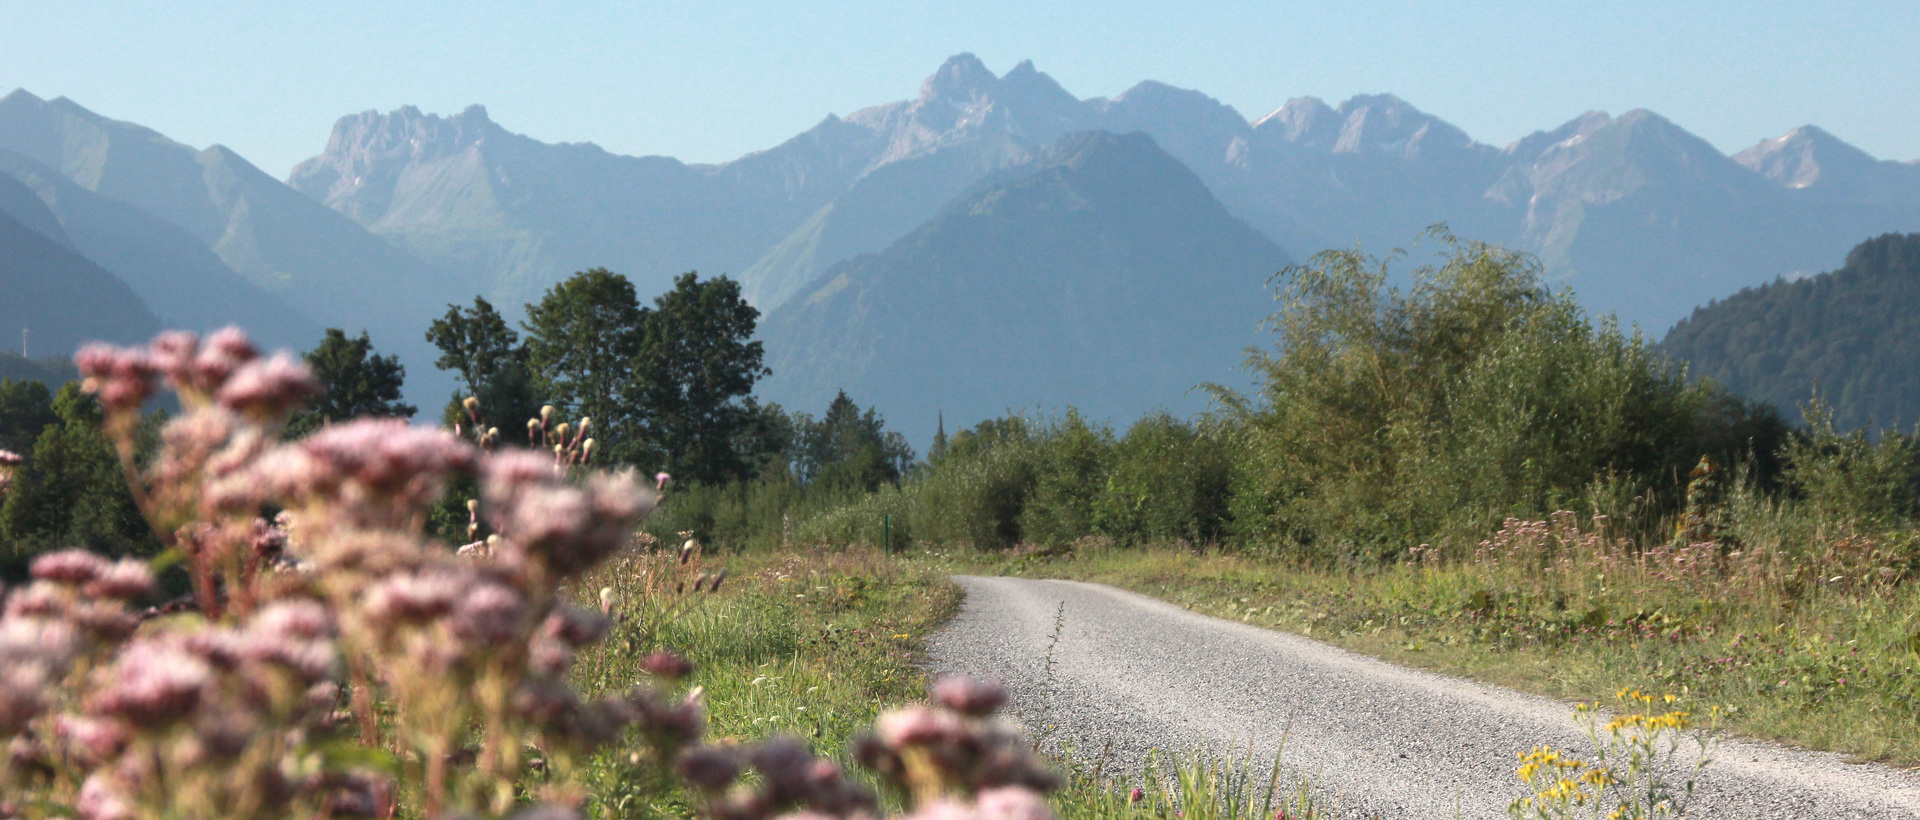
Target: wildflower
708, 768
916, 726
100, 799
967, 696
122, 378
1012, 803
126, 580
154, 682
268, 388
667, 665
74, 567
660, 480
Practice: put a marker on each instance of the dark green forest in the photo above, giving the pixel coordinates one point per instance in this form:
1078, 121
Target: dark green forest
1852, 335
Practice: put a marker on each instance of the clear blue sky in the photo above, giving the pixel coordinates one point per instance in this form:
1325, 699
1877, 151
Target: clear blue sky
708, 80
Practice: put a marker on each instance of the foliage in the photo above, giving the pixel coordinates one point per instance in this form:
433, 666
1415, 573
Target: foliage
478, 344
357, 383
26, 408
1850, 481
693, 368
847, 449
1390, 417
71, 491
1170, 482
1850, 334
581, 339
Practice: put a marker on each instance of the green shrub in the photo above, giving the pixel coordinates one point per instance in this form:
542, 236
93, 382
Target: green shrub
1169, 481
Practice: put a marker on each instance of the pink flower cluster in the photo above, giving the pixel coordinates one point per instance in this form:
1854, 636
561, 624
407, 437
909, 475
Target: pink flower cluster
558, 526
225, 368
342, 601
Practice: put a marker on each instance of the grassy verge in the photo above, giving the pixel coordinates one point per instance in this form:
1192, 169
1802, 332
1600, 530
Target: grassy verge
816, 644
809, 644
1829, 668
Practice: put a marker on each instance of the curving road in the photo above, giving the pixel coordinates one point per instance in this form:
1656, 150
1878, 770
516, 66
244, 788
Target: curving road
1131, 674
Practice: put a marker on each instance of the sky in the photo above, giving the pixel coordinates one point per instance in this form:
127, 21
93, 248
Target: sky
709, 80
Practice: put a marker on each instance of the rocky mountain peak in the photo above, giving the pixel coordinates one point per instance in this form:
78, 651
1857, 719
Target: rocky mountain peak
1804, 157
1384, 123
1303, 120
961, 79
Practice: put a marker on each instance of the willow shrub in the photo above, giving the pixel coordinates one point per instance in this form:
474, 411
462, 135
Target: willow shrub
1390, 416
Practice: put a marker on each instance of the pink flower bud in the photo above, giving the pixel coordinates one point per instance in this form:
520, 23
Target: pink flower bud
1012, 803
126, 580
916, 726
69, 567
268, 388
667, 665
708, 768
975, 698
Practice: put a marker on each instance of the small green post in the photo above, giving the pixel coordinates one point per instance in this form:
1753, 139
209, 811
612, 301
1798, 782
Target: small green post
886, 532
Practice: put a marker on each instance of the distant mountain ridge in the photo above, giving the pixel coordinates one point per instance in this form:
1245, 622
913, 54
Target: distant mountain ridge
1638, 216
134, 198
1101, 273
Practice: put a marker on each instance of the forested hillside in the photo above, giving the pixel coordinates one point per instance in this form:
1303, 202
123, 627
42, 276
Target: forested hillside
1852, 334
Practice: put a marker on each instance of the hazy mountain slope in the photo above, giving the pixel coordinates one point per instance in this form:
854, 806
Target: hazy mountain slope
1853, 333
312, 257
1102, 275
183, 281
60, 297
882, 206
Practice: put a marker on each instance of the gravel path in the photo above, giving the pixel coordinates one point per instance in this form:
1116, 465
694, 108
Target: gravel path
1132, 674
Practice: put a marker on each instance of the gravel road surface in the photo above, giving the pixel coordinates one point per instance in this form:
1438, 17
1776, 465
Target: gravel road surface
1131, 674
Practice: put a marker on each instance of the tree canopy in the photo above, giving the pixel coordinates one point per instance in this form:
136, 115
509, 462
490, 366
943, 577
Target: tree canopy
478, 344
358, 383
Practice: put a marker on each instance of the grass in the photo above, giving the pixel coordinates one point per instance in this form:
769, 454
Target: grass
812, 644
1829, 667
815, 644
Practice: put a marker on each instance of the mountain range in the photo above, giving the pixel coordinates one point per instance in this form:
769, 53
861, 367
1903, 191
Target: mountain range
842, 230
205, 238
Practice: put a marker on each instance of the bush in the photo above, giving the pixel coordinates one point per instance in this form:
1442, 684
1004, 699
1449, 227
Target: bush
1169, 481
1389, 417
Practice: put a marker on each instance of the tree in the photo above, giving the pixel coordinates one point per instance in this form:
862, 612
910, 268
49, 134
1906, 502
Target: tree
26, 408
692, 372
358, 383
849, 449
582, 337
73, 492
478, 344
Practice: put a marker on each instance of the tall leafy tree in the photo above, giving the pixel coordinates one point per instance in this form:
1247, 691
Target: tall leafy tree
692, 373
478, 344
358, 383
582, 338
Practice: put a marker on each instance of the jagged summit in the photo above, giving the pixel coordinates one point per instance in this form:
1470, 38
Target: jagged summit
962, 78
1804, 157
1304, 120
